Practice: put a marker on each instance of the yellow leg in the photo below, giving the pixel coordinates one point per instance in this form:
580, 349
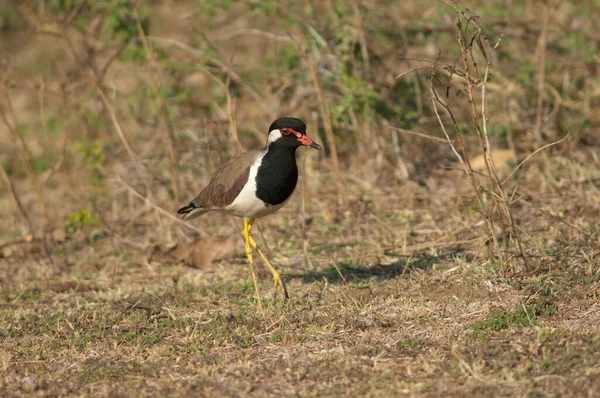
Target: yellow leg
247, 226
277, 281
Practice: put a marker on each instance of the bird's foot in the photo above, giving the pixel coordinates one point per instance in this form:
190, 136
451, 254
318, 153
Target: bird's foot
278, 282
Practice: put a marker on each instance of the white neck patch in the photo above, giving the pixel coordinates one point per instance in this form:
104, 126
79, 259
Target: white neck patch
274, 135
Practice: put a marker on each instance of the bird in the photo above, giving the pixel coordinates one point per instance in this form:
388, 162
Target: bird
255, 184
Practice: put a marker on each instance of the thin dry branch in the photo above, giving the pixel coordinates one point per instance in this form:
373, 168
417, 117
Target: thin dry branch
503, 203
415, 69
475, 113
533, 154
46, 176
418, 134
325, 115
362, 39
201, 54
541, 73
26, 155
15, 198
474, 77
158, 208
435, 99
231, 112
567, 223
25, 239
253, 32
162, 106
113, 117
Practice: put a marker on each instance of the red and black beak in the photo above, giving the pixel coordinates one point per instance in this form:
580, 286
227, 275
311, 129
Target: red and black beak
304, 140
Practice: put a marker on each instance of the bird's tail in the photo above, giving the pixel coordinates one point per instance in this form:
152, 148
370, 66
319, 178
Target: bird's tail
191, 211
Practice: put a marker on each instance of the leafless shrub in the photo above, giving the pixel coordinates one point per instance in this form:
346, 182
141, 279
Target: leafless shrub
493, 202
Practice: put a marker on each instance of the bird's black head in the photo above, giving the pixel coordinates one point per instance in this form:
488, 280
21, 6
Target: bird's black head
289, 132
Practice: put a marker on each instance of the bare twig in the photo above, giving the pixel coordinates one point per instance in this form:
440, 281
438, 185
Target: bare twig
466, 163
26, 156
170, 133
541, 73
15, 198
338, 271
418, 134
435, 100
231, 111
406, 72
46, 176
533, 154
253, 32
201, 54
499, 210
160, 209
362, 39
505, 203
567, 223
111, 59
113, 117
491, 173
325, 115
25, 239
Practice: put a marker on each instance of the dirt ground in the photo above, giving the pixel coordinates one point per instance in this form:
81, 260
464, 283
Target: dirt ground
397, 287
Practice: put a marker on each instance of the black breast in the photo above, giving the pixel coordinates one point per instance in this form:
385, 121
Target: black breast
277, 176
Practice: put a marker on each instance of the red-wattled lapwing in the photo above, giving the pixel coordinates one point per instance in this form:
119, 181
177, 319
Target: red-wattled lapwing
255, 184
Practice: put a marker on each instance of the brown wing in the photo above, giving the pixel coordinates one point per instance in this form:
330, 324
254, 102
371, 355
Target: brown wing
227, 182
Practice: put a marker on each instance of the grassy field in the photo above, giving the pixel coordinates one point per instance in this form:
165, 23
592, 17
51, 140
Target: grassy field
445, 243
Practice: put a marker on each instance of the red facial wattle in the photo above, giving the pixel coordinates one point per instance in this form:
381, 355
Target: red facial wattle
304, 140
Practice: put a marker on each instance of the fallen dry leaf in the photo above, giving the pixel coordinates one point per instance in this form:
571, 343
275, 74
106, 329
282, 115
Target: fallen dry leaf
198, 253
502, 159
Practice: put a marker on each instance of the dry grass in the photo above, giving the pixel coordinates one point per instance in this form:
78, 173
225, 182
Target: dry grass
395, 289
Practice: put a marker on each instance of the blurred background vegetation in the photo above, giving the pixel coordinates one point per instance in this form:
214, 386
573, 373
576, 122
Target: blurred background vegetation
105, 99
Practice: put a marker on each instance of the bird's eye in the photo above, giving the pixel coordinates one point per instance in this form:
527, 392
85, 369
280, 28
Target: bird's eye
285, 131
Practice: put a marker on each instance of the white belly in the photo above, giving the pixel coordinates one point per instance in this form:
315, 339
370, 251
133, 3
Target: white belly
246, 204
